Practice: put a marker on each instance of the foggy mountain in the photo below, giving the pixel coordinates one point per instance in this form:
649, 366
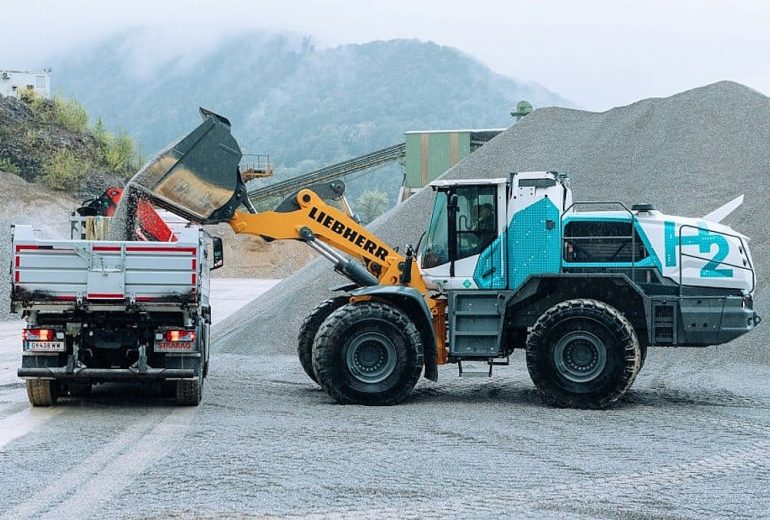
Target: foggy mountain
305, 106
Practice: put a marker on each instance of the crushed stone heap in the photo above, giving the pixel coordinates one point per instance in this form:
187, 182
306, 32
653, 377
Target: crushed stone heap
688, 154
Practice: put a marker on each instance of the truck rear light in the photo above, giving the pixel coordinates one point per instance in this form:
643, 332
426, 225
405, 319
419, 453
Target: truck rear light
43, 340
175, 340
179, 335
39, 335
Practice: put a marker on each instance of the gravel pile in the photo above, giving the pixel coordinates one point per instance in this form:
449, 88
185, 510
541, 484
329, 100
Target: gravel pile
22, 202
687, 154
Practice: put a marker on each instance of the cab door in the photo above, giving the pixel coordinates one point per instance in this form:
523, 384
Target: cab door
465, 243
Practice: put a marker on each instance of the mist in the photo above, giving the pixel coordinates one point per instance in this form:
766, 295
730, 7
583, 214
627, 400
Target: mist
597, 53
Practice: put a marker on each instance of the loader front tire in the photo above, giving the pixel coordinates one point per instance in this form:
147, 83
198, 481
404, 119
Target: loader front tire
583, 354
368, 353
309, 329
42, 392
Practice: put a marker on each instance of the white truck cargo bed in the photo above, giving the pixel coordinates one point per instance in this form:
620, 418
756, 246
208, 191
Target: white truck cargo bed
50, 271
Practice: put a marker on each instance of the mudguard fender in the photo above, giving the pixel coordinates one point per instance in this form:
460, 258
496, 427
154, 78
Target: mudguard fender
413, 304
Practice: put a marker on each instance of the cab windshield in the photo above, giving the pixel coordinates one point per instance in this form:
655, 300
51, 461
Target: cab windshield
472, 229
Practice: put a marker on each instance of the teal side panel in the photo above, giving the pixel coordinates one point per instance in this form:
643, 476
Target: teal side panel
532, 247
489, 272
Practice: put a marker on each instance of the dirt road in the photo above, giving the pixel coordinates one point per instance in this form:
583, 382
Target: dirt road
691, 441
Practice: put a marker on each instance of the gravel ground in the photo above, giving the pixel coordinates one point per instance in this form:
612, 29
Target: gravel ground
691, 441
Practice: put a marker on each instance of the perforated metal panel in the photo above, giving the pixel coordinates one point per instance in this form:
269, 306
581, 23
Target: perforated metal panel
475, 323
533, 242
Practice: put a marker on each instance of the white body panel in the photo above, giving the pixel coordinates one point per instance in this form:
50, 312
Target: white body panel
696, 252
687, 251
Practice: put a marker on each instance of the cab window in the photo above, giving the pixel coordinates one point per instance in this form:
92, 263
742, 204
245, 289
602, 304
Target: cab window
475, 219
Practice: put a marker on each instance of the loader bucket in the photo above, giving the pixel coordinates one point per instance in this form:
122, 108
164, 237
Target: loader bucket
196, 177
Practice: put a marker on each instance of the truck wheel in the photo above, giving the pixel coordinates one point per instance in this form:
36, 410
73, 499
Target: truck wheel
583, 354
189, 392
42, 392
368, 353
309, 328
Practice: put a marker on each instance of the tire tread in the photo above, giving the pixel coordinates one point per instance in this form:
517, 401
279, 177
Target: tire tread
609, 316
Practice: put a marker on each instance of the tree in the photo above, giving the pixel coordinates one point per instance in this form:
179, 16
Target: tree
371, 204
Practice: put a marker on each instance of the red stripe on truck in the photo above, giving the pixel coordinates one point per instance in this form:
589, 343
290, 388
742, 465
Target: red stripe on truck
106, 296
163, 249
106, 248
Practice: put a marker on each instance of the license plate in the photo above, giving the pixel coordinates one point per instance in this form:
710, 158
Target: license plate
44, 346
173, 346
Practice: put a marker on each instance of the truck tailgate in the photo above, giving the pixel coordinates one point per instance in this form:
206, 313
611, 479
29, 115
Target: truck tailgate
69, 270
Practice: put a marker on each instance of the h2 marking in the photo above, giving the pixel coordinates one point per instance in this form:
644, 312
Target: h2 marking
704, 239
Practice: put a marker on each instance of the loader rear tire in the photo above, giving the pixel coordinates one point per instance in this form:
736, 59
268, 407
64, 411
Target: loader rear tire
368, 353
583, 354
42, 392
309, 329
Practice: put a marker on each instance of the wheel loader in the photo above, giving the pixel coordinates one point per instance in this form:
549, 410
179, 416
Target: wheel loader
510, 262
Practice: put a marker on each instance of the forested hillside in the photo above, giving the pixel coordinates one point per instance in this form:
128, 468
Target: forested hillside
303, 105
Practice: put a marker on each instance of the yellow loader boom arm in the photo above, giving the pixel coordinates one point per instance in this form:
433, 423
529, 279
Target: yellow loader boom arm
328, 229
198, 178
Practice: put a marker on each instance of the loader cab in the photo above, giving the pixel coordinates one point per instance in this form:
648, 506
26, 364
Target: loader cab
468, 219
494, 233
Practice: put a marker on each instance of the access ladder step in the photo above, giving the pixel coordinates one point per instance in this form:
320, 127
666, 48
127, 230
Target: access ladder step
491, 362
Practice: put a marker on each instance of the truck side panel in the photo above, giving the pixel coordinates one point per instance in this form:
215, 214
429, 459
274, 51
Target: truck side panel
45, 270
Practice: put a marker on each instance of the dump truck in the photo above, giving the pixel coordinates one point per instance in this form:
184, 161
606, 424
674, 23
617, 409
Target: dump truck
103, 311
509, 262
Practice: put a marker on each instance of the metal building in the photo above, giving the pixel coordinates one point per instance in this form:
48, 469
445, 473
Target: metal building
432, 152
15, 83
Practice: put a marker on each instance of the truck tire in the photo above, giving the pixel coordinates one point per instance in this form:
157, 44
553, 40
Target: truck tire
309, 328
583, 354
42, 392
368, 353
189, 392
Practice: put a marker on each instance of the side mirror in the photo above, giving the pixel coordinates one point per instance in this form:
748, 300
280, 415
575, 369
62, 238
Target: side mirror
219, 254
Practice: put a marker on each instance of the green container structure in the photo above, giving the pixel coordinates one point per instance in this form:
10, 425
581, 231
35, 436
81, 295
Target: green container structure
431, 153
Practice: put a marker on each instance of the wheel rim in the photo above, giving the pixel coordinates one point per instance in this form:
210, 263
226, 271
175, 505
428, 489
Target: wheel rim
371, 357
580, 356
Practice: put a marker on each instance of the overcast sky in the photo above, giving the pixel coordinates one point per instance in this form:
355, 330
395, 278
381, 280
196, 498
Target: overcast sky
597, 53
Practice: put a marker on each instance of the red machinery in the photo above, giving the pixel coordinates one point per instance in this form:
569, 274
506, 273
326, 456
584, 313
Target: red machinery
150, 226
